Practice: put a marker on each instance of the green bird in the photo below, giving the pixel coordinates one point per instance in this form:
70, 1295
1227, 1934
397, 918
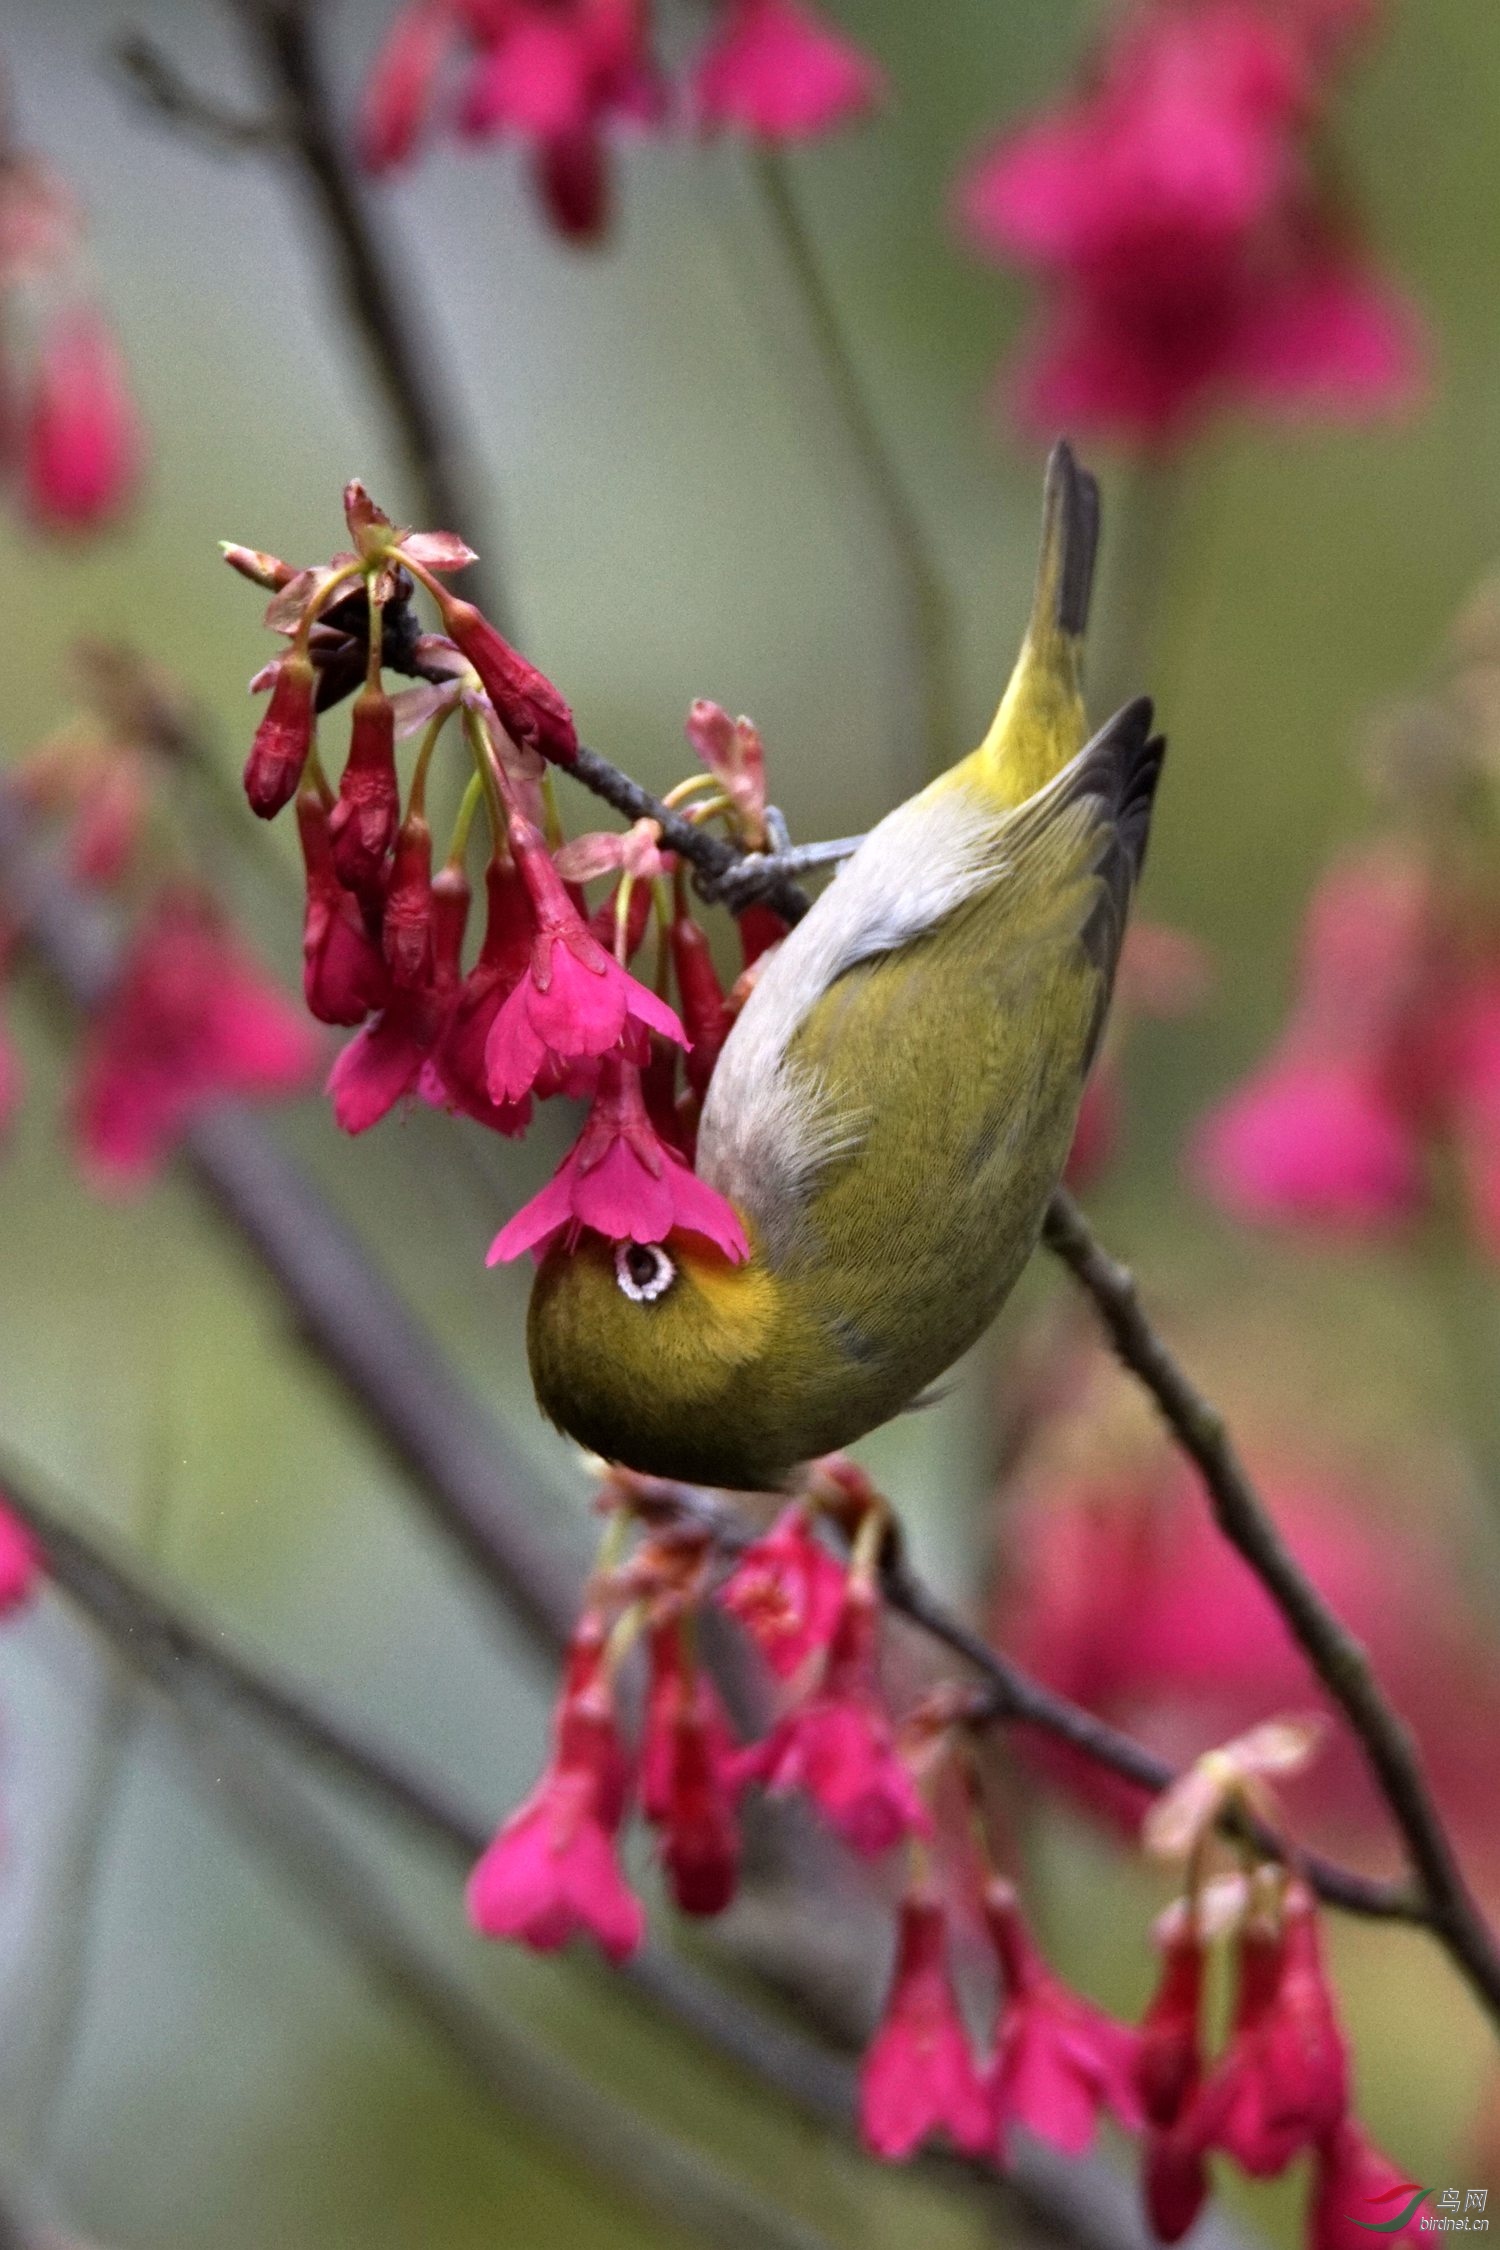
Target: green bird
895, 1104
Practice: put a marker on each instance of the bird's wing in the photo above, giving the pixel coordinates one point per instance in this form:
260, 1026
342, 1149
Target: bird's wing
920, 953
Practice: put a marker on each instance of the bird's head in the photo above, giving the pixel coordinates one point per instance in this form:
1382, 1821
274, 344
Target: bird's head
659, 1355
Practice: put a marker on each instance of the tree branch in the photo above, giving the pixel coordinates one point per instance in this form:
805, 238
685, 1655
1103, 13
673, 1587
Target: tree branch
1339, 1660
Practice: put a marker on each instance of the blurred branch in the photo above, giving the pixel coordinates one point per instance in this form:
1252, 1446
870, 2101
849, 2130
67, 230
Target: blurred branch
301, 132
1085, 2204
1339, 1660
345, 1310
156, 81
923, 594
508, 2065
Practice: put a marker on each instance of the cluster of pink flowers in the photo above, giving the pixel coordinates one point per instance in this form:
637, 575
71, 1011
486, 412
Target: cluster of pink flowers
1177, 212
1055, 2064
69, 435
1390, 1060
547, 1005
190, 1018
560, 75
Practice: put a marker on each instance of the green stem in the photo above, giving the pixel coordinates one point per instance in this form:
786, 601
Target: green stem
923, 594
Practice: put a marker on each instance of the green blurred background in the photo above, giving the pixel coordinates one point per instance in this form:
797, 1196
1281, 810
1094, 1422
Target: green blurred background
187, 2057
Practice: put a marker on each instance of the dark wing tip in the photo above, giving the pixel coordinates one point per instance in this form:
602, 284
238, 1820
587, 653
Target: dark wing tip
1121, 766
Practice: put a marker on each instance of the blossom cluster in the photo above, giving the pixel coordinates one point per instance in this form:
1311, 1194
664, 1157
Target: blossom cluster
70, 440
548, 1004
560, 75
189, 1018
1178, 212
1054, 2064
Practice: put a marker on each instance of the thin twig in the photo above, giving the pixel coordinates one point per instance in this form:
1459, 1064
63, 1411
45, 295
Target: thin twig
923, 593
301, 132
1339, 1660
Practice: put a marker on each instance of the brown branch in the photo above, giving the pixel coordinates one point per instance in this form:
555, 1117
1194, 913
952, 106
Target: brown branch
302, 133
1339, 1660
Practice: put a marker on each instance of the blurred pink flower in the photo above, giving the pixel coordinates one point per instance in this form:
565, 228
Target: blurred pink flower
1191, 259
1311, 1141
919, 2077
1126, 1597
20, 1562
551, 1873
191, 1022
774, 69
82, 444
689, 1776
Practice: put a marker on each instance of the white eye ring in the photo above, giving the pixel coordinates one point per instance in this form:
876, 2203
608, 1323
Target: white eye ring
643, 1270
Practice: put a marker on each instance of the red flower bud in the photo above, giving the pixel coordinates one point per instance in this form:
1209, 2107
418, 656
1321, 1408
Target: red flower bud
705, 1017
83, 442
364, 820
526, 703
343, 974
406, 933
283, 738
1169, 2059
1174, 2184
572, 178
761, 927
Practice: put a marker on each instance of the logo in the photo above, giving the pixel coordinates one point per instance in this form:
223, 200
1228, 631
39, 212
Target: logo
1415, 2196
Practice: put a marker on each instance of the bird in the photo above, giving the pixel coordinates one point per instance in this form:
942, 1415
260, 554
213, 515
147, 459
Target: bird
895, 1103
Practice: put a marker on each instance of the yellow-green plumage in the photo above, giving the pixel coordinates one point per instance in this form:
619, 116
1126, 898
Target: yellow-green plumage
895, 1105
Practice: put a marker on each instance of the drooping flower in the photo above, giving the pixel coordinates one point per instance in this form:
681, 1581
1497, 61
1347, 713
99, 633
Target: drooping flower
82, 446
787, 1591
838, 1746
574, 1002
455, 1076
283, 738
774, 70
396, 104
384, 1061
528, 706
344, 975
1060, 2062
919, 2077
362, 825
190, 1022
621, 1180
552, 1873
689, 1780
1356, 2189
1282, 2083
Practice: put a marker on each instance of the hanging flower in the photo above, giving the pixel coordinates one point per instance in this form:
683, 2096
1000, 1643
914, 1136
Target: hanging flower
918, 2077
788, 1593
621, 1180
1060, 2062
774, 70
82, 445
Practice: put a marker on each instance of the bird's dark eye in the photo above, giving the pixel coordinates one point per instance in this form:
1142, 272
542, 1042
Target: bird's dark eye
643, 1270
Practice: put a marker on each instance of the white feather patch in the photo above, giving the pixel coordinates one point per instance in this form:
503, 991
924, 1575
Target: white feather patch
768, 1127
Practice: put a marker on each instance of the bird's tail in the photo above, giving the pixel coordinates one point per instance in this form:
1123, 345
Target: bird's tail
1040, 723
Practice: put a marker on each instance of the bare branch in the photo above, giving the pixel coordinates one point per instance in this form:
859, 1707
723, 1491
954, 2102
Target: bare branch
157, 82
1339, 1660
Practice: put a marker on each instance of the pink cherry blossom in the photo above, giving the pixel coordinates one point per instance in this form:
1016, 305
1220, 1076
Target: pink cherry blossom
621, 1180
1060, 2062
344, 977
396, 104
552, 1872
775, 70
384, 1061
838, 1746
689, 1777
788, 1592
919, 2077
573, 1002
1315, 1141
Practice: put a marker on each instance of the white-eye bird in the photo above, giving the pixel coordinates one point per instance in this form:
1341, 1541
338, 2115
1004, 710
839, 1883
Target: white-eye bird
895, 1104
